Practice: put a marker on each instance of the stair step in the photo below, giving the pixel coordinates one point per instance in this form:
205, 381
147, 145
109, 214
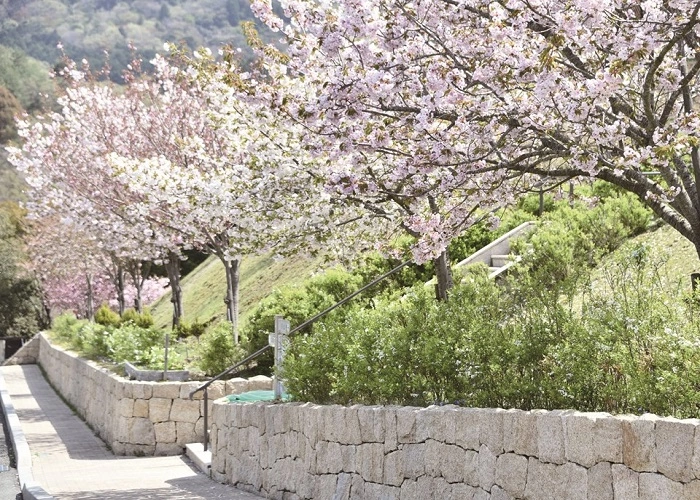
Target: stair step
201, 458
499, 260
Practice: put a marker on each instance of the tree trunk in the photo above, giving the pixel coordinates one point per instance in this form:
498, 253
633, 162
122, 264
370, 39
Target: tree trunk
139, 273
120, 289
90, 306
443, 274
233, 275
173, 269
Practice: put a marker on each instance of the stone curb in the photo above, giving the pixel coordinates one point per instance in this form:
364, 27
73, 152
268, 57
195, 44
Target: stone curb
31, 490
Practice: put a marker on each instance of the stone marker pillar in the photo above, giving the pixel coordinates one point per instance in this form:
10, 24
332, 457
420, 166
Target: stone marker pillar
279, 341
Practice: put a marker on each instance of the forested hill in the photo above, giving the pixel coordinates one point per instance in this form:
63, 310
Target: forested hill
87, 28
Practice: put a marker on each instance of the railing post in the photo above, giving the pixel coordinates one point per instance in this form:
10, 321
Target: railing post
279, 341
206, 419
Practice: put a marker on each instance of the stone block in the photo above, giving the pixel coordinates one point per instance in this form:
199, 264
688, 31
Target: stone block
486, 467
471, 468
550, 437
141, 432
658, 487
383, 491
125, 408
342, 487
187, 387
141, 409
491, 429
185, 433
520, 432
625, 483
159, 409
349, 457
607, 439
259, 383
142, 390
309, 419
452, 459
511, 473
391, 441
433, 453
393, 469
600, 482
370, 461
165, 432
236, 385
329, 458
674, 448
572, 482
413, 461
406, 426
480, 494
541, 480
184, 410
430, 424
499, 494
691, 490
325, 486
418, 489
639, 442
168, 449
139, 450
463, 491
351, 433
167, 390
578, 436
216, 390
467, 431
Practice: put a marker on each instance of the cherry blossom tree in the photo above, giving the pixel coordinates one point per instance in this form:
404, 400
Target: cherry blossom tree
465, 102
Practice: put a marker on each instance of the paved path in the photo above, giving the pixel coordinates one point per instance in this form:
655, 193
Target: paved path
70, 462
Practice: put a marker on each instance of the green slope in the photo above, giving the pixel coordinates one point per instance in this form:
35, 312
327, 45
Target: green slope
205, 287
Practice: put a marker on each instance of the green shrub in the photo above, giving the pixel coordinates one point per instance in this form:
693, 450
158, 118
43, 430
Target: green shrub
105, 316
132, 343
66, 326
144, 319
296, 305
217, 350
631, 347
185, 329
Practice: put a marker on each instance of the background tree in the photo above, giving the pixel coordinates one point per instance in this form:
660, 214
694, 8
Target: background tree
496, 95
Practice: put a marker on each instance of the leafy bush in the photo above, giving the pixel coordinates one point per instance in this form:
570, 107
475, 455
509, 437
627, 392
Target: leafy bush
296, 305
630, 346
217, 350
132, 343
144, 319
105, 316
66, 326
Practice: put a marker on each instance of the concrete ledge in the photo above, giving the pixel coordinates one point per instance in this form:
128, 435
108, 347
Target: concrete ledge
30, 488
155, 375
201, 458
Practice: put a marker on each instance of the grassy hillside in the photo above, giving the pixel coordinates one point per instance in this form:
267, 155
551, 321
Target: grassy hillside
664, 244
205, 287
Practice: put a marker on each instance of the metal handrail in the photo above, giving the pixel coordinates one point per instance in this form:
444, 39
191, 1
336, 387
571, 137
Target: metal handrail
261, 351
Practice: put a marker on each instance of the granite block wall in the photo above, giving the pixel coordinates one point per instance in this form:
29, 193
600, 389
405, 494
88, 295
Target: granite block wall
135, 418
299, 451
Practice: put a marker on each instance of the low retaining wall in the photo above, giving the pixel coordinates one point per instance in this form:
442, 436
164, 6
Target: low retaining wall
310, 451
134, 418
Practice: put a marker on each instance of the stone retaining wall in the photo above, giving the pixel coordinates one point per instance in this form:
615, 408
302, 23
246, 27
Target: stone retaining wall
308, 451
134, 418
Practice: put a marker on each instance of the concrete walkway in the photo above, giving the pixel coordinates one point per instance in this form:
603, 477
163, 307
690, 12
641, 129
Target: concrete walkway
69, 462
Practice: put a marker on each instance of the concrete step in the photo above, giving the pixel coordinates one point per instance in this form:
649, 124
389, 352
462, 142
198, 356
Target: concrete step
500, 260
201, 458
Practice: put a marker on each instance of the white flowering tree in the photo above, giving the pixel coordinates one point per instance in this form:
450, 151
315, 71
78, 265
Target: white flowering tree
444, 105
